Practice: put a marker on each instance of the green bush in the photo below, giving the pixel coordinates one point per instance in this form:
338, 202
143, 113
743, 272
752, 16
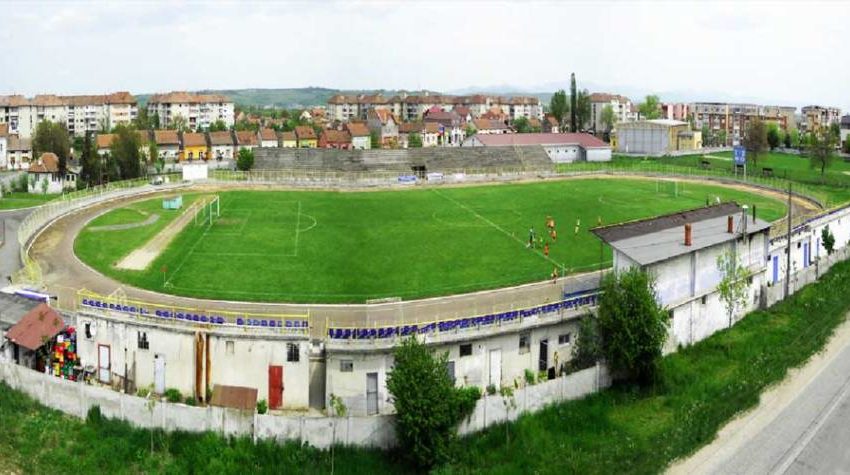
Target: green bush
190, 401
262, 406
529, 377
468, 396
143, 392
491, 389
245, 159
173, 395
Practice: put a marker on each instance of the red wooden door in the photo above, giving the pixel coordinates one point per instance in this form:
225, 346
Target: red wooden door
275, 387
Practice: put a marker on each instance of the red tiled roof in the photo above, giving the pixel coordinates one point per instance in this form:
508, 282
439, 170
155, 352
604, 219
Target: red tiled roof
605, 97
268, 134
357, 129
13, 101
246, 137
194, 140
288, 136
335, 136
221, 138
35, 328
489, 124
182, 97
104, 140
166, 137
507, 140
47, 163
305, 132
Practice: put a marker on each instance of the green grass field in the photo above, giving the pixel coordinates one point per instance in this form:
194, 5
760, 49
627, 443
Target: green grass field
307, 246
17, 200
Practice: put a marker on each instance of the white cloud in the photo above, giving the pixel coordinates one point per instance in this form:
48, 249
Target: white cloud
779, 52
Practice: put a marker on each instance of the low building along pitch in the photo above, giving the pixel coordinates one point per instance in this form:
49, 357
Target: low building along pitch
681, 251
561, 148
657, 137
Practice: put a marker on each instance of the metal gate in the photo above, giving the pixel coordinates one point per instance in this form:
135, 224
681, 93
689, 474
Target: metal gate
371, 393
275, 387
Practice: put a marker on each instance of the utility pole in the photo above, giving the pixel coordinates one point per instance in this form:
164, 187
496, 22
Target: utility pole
788, 246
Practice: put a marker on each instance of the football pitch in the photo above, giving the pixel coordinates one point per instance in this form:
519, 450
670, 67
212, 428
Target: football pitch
334, 247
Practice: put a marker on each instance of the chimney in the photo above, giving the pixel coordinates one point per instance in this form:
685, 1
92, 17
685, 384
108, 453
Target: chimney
688, 239
730, 224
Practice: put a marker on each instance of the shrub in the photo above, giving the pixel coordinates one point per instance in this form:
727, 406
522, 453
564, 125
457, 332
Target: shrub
491, 389
467, 397
632, 325
173, 395
190, 401
262, 406
588, 349
428, 406
245, 159
529, 377
143, 392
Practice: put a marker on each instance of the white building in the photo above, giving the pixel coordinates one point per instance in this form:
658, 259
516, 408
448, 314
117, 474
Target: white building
79, 114
360, 137
221, 145
268, 138
168, 144
620, 105
18, 152
561, 148
199, 110
44, 176
681, 252
4, 146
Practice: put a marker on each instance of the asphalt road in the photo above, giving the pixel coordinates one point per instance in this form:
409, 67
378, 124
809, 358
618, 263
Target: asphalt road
800, 427
9, 249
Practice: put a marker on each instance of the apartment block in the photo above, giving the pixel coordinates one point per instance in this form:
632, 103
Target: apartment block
199, 110
79, 114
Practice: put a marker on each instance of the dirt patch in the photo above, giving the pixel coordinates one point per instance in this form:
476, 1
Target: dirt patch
141, 258
120, 227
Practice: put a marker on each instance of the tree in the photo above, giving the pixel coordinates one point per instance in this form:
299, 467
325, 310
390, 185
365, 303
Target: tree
573, 103
142, 120
820, 148
375, 138
427, 404
583, 109
245, 159
733, 283
522, 126
846, 145
90, 161
787, 140
795, 137
588, 348
607, 117
721, 138
632, 325
154, 121
707, 138
178, 123
218, 126
52, 137
558, 106
835, 131
126, 152
153, 156
828, 240
773, 138
755, 140
414, 140
470, 130
650, 108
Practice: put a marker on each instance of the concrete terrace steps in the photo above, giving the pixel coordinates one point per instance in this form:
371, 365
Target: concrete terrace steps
403, 160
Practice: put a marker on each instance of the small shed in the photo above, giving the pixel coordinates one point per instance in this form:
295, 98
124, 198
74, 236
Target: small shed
32, 332
175, 202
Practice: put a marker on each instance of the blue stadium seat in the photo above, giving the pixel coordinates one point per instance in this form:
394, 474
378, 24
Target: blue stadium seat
240, 321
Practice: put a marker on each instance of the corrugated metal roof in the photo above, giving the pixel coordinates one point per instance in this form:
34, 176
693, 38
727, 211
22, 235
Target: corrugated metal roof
36, 327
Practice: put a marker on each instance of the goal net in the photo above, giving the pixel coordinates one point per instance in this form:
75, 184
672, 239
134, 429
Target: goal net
208, 212
668, 187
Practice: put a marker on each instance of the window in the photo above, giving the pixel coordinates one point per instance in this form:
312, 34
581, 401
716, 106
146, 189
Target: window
466, 349
702, 301
229, 347
450, 369
524, 342
292, 354
564, 339
346, 366
143, 340
88, 328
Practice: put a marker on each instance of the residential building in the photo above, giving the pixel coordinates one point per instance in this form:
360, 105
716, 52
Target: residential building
306, 136
620, 105
103, 142
733, 119
845, 131
343, 108
490, 126
360, 136
550, 125
79, 114
560, 148
815, 117
247, 140
675, 111
168, 144
656, 137
268, 138
193, 146
452, 126
385, 124
18, 152
681, 251
331, 138
429, 133
528, 107
288, 140
221, 145
44, 176
4, 146
199, 110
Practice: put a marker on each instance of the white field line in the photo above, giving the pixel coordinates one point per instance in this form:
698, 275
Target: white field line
506, 233
297, 229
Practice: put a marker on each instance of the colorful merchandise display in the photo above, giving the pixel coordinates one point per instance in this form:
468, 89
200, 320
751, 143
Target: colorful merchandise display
64, 357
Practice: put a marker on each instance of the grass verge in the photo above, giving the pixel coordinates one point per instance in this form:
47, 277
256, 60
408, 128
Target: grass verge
18, 200
620, 430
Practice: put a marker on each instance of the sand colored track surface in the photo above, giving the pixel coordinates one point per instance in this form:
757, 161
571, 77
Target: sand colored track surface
141, 258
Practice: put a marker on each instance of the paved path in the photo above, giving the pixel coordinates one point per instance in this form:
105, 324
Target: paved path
121, 227
801, 426
10, 260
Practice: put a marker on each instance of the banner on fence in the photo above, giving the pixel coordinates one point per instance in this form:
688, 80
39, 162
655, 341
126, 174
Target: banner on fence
407, 179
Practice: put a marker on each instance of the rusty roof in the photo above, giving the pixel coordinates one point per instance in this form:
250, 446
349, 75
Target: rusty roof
48, 163
166, 137
246, 137
35, 328
305, 132
105, 140
235, 397
357, 129
221, 138
194, 140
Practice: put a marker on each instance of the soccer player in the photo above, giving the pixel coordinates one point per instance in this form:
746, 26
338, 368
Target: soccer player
530, 237
546, 249
554, 275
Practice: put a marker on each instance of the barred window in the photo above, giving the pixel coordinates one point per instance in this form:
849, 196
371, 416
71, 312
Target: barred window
292, 354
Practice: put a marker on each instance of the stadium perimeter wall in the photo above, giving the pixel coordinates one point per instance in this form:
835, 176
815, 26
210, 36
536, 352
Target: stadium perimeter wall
76, 399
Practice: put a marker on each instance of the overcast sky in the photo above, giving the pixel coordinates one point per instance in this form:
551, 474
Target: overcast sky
774, 52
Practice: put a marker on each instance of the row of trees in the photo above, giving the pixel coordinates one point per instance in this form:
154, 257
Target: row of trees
819, 146
577, 107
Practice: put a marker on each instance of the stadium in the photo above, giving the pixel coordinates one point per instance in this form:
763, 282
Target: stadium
298, 278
